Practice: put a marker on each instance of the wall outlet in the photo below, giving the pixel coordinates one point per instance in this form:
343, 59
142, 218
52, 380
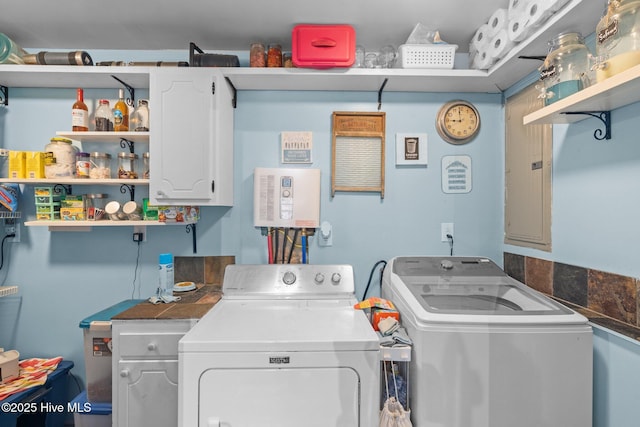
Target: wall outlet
446, 228
11, 226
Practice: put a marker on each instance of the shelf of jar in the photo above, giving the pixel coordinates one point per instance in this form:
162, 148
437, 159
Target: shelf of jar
77, 181
70, 76
615, 92
60, 225
111, 137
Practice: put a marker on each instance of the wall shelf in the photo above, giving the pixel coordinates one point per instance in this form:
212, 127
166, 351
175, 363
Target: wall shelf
108, 137
76, 181
577, 15
614, 92
59, 225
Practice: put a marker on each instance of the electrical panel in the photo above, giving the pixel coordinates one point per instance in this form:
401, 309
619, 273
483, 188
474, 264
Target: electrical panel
286, 197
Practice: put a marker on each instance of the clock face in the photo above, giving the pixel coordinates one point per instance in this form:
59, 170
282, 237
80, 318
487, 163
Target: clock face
458, 122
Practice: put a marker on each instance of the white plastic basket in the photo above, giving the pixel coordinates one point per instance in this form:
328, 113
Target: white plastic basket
426, 55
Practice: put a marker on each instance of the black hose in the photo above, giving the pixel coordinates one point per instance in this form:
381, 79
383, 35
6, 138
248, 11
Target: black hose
364, 296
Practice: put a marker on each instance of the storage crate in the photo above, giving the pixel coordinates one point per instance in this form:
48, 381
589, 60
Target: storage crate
90, 414
426, 55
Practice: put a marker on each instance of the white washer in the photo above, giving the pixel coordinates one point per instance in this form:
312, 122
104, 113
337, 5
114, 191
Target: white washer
284, 347
488, 350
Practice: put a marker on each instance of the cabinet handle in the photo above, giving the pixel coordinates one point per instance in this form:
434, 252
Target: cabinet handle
152, 346
124, 373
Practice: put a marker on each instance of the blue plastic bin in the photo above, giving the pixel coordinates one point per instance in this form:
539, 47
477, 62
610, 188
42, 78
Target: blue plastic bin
89, 414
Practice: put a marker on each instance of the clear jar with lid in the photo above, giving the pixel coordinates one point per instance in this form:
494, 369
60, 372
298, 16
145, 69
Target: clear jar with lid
618, 38
83, 165
60, 162
127, 165
257, 55
274, 55
100, 166
96, 204
139, 120
104, 117
145, 165
566, 69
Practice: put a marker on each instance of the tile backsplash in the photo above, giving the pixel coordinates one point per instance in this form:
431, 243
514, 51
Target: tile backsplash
208, 270
608, 294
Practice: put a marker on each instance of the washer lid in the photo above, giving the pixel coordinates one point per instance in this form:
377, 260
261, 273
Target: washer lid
281, 325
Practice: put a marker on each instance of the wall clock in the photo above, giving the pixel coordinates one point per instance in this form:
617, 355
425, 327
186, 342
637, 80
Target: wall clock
458, 122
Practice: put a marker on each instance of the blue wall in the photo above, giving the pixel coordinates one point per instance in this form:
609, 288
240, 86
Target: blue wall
67, 276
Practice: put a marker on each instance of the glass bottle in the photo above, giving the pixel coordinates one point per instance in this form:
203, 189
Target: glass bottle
145, 165
140, 117
565, 70
104, 117
121, 114
618, 38
79, 113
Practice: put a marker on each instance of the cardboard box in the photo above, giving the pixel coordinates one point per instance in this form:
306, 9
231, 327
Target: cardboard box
34, 164
17, 164
178, 213
72, 214
9, 368
70, 201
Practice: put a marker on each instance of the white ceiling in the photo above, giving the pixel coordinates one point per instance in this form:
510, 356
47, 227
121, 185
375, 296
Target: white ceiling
229, 24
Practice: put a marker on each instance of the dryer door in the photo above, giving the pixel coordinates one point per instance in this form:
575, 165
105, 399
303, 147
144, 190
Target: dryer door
289, 397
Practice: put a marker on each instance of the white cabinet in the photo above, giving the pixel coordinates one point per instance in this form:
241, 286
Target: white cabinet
191, 155
145, 371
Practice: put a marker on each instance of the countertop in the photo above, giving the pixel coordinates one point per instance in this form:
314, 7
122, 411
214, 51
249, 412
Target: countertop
192, 305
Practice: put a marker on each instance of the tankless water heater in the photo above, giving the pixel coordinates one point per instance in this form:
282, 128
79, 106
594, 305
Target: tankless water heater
286, 197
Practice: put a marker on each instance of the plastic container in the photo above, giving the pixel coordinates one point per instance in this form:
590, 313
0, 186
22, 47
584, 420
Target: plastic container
566, 68
127, 165
437, 56
83, 165
165, 275
323, 46
62, 162
100, 166
90, 414
96, 330
618, 38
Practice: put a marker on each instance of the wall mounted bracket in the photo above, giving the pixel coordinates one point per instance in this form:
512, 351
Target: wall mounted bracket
132, 92
604, 117
234, 90
60, 188
4, 95
191, 228
384, 83
126, 143
124, 188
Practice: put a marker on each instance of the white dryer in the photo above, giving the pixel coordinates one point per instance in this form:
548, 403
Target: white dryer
488, 350
284, 347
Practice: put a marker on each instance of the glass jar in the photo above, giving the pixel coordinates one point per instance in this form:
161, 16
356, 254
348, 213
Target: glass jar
257, 55
83, 165
100, 166
274, 56
145, 165
104, 117
565, 70
139, 120
96, 204
4, 163
287, 60
127, 165
60, 162
618, 38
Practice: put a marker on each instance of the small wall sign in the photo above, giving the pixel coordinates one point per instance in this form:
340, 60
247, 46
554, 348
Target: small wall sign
296, 147
411, 149
456, 174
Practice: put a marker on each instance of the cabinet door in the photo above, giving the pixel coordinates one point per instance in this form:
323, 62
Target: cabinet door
147, 393
191, 138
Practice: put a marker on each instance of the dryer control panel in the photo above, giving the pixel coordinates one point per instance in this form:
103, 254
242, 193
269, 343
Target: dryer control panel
301, 281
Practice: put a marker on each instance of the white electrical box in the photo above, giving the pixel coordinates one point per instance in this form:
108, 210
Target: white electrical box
286, 197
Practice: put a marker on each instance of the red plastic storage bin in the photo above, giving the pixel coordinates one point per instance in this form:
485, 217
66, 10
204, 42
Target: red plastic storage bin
323, 46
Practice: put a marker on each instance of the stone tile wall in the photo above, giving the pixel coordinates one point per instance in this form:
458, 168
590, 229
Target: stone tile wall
611, 295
